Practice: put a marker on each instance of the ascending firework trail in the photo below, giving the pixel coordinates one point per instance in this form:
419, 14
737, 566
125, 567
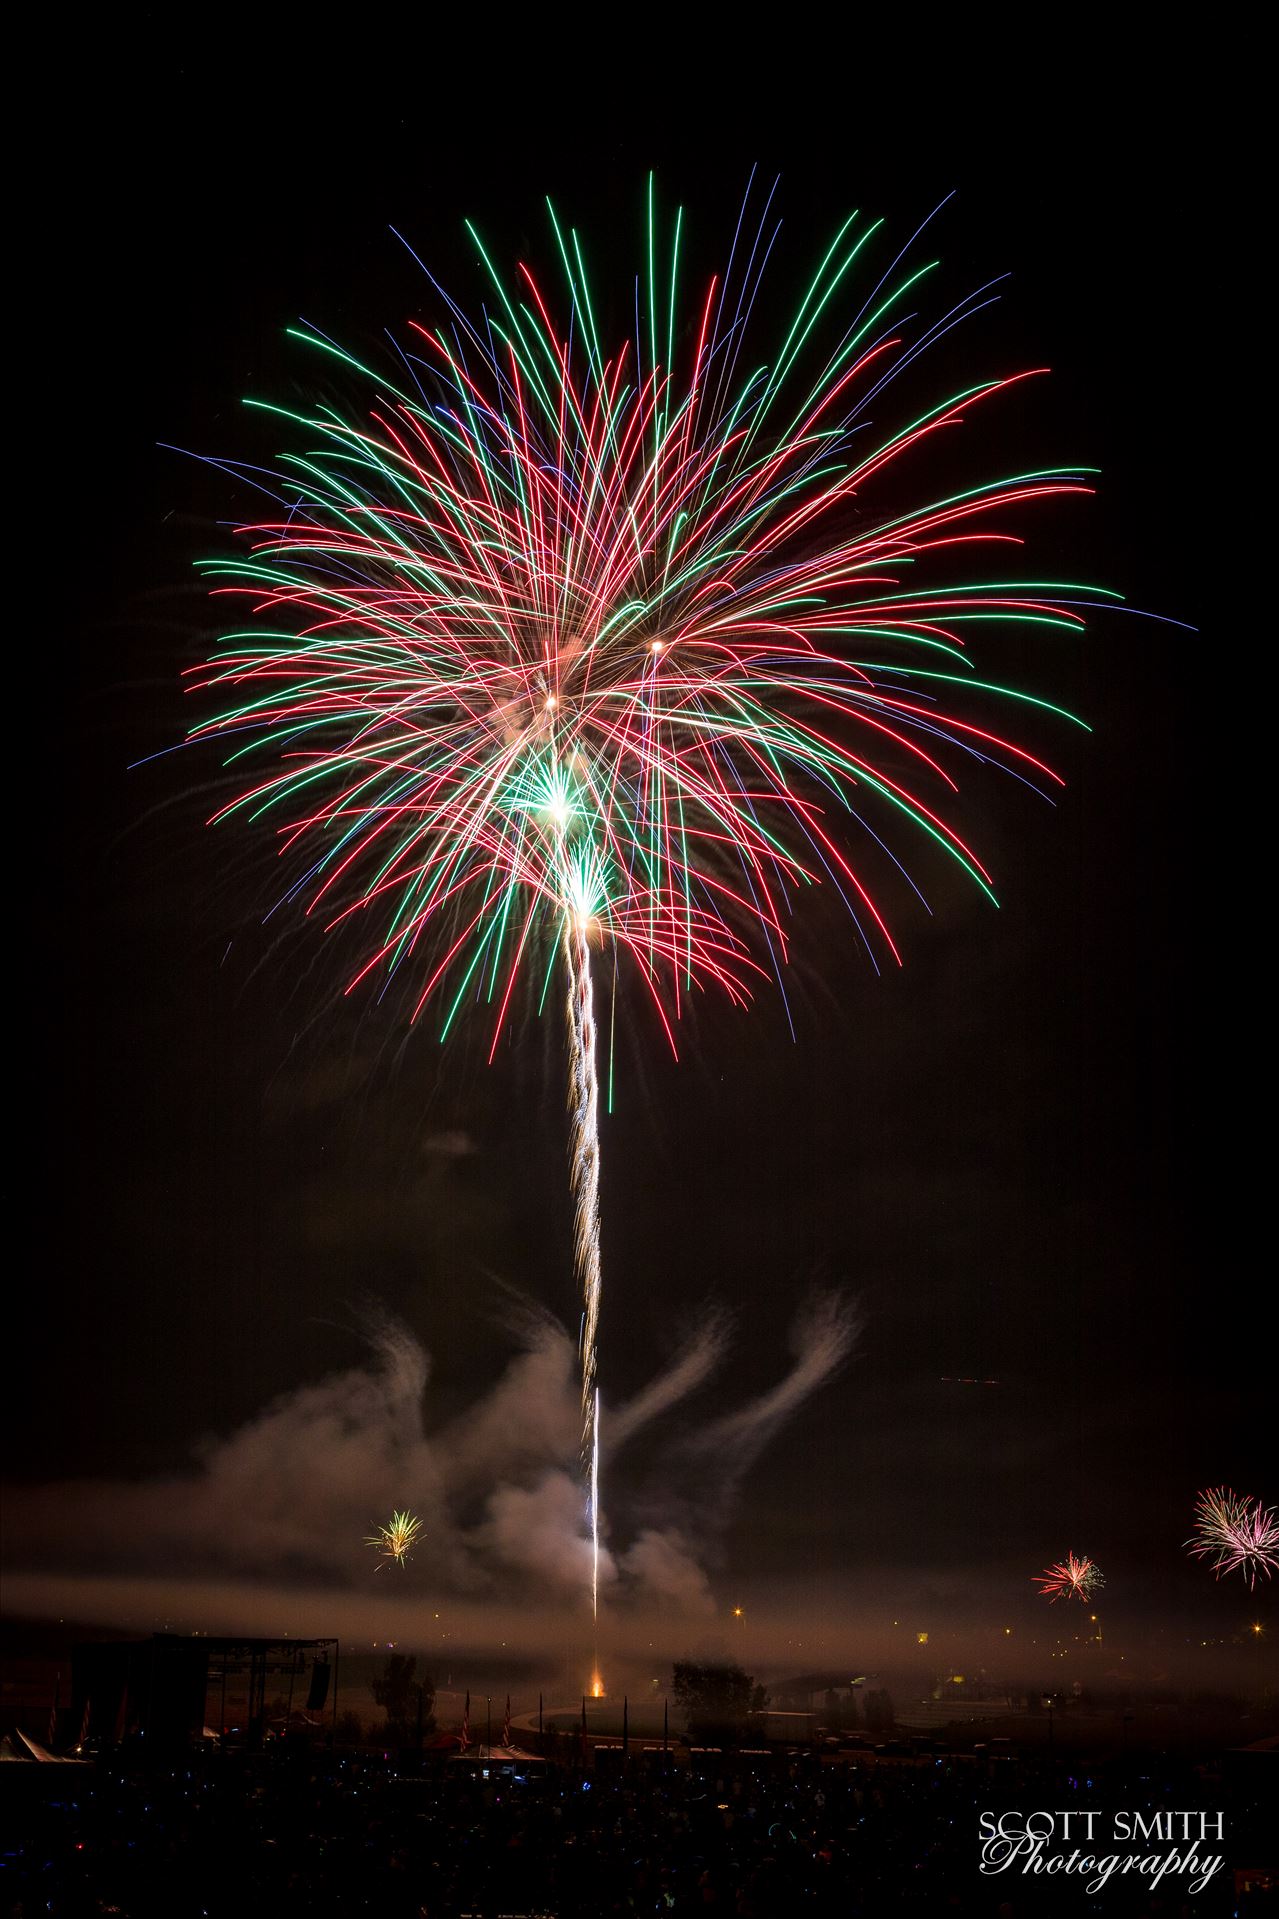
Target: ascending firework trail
554, 647
584, 1101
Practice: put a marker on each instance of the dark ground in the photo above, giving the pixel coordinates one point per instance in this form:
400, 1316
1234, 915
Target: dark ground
222, 1836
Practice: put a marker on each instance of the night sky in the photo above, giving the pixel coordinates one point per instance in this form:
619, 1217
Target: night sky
1002, 1151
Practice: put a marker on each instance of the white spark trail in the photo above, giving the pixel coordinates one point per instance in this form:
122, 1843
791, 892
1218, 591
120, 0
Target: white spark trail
585, 1179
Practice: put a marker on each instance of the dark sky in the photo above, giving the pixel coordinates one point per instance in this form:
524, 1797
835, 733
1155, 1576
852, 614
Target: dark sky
1001, 1151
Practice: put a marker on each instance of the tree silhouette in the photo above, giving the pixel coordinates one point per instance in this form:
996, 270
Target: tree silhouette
718, 1700
879, 1712
408, 1702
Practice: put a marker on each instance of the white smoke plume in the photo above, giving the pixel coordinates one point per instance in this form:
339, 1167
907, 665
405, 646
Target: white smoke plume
821, 1339
693, 1487
291, 1495
705, 1349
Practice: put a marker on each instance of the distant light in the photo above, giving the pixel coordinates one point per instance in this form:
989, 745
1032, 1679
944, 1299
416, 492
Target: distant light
657, 646
921, 1638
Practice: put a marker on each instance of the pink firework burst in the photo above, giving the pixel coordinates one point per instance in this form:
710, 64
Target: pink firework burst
1074, 1578
1237, 1533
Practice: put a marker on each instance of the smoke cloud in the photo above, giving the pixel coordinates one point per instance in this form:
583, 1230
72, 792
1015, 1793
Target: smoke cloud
290, 1496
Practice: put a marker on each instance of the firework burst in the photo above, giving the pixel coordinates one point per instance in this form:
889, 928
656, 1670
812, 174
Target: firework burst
394, 1542
1074, 1578
555, 645
1236, 1533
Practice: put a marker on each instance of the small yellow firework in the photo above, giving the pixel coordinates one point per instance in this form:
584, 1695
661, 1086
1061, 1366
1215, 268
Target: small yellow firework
393, 1541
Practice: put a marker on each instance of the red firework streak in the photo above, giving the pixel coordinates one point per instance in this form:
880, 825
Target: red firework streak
1072, 1579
